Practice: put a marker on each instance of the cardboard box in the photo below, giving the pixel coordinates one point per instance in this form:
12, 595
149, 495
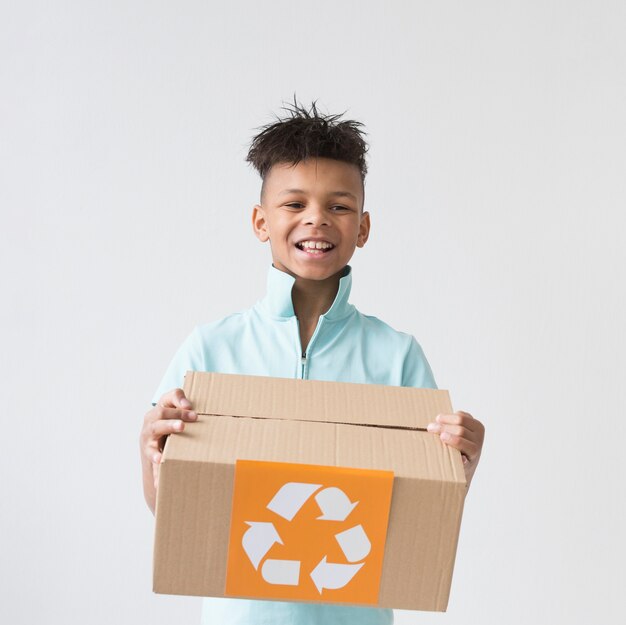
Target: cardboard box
391, 494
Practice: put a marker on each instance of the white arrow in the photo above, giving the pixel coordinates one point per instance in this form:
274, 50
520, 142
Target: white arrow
334, 504
290, 498
285, 572
258, 540
333, 576
354, 543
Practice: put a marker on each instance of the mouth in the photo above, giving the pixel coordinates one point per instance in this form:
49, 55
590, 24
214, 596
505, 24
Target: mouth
315, 248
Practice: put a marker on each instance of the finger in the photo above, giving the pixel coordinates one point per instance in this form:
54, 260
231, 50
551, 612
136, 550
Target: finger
456, 430
457, 418
152, 451
155, 475
459, 430
164, 427
174, 413
466, 447
175, 399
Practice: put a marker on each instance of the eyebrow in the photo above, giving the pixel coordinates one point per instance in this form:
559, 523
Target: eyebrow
333, 193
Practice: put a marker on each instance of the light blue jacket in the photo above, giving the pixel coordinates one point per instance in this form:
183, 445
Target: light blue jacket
346, 346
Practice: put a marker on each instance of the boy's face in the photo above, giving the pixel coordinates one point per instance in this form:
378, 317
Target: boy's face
311, 214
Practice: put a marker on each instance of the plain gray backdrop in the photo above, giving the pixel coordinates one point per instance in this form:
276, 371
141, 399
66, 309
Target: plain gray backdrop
496, 191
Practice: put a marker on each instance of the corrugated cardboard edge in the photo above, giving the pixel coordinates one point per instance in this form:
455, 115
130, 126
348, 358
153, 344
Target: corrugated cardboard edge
314, 400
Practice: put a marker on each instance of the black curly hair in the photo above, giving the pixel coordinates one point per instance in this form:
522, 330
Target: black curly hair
306, 133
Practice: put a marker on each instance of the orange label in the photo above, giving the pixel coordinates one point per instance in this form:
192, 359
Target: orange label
307, 532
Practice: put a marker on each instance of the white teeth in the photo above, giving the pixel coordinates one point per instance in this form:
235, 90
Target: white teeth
315, 245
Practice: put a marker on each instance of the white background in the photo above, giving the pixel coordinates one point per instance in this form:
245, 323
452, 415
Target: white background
496, 189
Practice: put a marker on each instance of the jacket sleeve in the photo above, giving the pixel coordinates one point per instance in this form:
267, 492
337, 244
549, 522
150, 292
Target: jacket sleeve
189, 357
416, 371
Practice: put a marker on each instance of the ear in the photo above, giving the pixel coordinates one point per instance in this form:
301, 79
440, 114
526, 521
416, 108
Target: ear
259, 224
364, 230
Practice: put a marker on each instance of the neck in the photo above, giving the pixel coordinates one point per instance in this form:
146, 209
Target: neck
312, 298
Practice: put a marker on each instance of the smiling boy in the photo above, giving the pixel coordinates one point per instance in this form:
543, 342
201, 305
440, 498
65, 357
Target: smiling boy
312, 214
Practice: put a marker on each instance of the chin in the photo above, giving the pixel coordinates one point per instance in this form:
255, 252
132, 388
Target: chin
307, 271
318, 276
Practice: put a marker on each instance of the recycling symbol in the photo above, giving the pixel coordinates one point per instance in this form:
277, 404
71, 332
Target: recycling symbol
335, 505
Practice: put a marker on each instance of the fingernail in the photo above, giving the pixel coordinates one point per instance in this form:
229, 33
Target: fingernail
155, 458
193, 415
185, 403
433, 427
438, 418
177, 425
445, 436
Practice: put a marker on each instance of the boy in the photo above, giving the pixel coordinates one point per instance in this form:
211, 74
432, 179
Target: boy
312, 213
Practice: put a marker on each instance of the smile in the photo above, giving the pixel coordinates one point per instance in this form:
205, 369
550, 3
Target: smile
315, 248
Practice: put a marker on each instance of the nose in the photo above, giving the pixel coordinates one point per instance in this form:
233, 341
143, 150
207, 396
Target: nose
315, 215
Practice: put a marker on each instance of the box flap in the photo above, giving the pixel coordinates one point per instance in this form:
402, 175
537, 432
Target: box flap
314, 400
223, 440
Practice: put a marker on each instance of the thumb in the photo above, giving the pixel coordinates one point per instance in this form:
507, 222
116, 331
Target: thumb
175, 399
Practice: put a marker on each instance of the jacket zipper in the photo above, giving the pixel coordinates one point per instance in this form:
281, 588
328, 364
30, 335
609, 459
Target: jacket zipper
304, 354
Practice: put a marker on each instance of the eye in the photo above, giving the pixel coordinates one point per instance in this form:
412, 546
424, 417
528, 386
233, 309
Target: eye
337, 208
295, 205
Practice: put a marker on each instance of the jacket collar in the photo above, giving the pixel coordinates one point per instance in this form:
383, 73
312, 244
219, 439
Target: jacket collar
278, 300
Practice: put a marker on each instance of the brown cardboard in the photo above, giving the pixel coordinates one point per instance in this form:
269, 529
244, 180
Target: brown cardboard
310, 422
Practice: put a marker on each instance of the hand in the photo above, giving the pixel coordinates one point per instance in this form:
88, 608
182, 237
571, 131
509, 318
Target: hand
167, 417
461, 431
